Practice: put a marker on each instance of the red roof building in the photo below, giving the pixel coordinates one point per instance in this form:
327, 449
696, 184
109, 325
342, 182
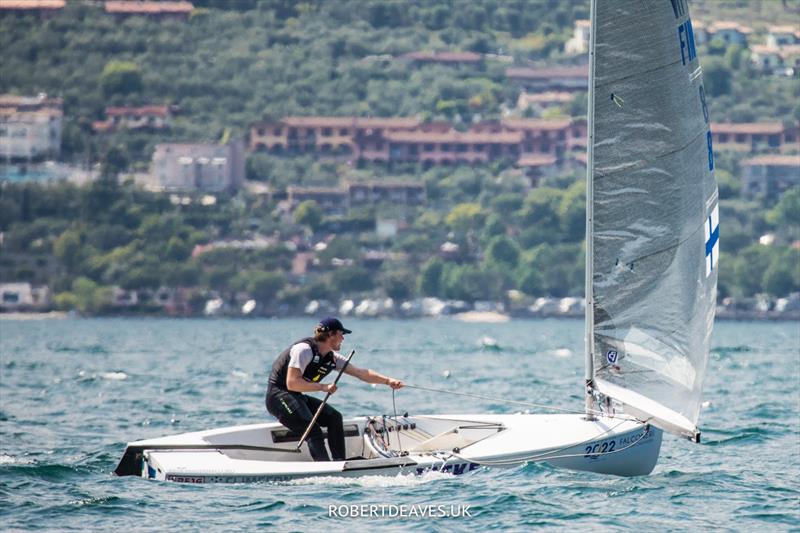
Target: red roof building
752, 136
410, 140
126, 8
447, 58
42, 7
153, 117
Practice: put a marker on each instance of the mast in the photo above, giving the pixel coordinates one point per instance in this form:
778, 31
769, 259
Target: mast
588, 292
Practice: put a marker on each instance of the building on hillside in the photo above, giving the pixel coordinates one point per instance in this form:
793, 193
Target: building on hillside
408, 140
451, 147
30, 127
752, 136
538, 167
728, 31
343, 137
579, 43
444, 58
767, 176
397, 193
779, 36
766, 58
790, 54
569, 79
331, 199
198, 167
23, 296
161, 10
339, 199
539, 102
151, 117
39, 7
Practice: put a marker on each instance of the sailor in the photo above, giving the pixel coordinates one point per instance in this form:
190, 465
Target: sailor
301, 368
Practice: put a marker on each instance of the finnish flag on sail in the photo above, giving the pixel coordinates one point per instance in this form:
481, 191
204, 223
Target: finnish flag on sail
712, 240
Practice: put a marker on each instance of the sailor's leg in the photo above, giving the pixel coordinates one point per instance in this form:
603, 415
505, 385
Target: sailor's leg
331, 419
292, 411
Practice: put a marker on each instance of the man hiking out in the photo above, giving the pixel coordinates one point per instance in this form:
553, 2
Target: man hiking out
300, 369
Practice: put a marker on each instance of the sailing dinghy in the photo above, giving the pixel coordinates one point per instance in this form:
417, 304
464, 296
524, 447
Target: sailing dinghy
652, 248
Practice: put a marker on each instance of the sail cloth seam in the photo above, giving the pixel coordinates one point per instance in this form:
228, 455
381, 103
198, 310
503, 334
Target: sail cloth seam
668, 248
699, 135
659, 338
637, 74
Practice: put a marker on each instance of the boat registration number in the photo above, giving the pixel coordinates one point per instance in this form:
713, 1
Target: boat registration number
594, 451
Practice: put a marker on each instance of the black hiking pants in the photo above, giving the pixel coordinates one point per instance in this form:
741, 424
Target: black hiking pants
295, 411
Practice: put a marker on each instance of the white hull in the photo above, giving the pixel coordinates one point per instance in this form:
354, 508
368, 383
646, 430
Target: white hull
446, 443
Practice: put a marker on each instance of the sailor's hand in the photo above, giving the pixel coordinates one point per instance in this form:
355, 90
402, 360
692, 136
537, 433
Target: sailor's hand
329, 388
395, 383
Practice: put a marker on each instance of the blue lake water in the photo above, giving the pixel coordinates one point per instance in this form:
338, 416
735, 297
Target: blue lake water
73, 392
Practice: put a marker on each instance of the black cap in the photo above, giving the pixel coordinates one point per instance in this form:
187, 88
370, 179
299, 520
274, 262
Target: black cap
332, 324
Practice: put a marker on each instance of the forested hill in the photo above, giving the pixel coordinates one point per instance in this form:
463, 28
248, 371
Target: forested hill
235, 62
481, 232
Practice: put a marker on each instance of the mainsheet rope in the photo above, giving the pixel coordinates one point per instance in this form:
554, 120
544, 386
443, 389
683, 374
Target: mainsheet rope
503, 400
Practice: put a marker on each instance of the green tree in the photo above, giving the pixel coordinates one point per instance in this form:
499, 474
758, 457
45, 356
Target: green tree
503, 252
265, 286
68, 249
464, 217
471, 283
717, 77
121, 77
783, 274
398, 284
785, 216
750, 265
89, 296
572, 213
177, 249
351, 279
114, 161
308, 213
430, 279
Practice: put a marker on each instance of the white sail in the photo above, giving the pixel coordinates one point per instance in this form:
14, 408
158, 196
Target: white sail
653, 217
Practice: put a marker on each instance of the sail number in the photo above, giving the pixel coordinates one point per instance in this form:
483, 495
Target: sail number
594, 451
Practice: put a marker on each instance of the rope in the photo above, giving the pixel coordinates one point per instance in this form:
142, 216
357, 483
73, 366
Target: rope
397, 424
503, 400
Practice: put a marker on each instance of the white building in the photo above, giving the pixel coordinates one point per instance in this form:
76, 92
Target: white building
579, 43
22, 295
198, 167
30, 127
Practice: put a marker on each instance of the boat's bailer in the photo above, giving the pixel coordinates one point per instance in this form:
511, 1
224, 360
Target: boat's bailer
403, 445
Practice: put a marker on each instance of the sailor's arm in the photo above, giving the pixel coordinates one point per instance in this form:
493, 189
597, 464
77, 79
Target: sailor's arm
296, 383
370, 376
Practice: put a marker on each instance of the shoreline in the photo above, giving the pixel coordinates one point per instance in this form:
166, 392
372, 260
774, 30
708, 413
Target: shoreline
484, 317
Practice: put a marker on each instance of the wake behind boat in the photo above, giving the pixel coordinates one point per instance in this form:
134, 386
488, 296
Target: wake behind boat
652, 243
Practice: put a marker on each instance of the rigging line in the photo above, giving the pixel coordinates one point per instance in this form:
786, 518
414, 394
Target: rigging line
397, 424
526, 404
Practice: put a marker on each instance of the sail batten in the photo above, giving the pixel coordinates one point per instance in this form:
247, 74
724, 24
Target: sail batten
652, 231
